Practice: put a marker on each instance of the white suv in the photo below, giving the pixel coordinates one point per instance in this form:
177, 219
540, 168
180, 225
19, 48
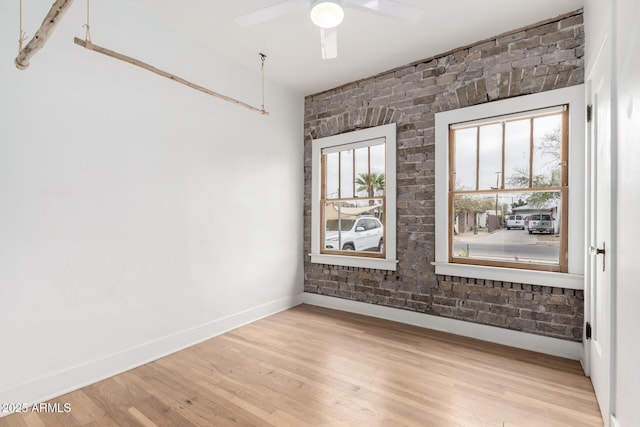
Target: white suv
361, 234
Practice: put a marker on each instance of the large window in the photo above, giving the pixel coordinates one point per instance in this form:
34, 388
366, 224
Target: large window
353, 200
353, 208
510, 190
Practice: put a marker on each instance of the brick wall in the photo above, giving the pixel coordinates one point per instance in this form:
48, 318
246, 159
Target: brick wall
530, 60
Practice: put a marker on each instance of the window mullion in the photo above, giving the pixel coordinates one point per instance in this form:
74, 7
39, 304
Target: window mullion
369, 163
478, 158
564, 150
353, 173
452, 159
339, 175
504, 143
323, 177
530, 152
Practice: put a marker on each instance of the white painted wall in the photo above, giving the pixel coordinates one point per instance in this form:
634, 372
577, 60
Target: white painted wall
627, 381
137, 216
596, 17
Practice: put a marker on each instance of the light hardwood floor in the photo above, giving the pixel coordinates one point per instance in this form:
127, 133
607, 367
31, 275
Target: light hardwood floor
310, 366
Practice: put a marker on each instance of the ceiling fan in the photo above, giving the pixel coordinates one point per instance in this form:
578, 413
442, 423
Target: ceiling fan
328, 14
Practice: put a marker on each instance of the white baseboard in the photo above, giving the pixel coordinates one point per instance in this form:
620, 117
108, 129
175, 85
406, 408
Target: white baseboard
62, 382
522, 340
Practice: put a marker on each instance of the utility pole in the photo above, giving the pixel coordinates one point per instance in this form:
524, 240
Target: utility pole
497, 188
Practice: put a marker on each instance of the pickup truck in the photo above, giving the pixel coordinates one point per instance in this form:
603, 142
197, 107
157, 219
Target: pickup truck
541, 223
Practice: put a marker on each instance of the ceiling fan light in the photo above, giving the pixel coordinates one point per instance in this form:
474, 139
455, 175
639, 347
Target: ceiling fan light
326, 13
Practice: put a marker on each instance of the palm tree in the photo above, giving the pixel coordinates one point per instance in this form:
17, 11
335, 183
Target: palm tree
372, 183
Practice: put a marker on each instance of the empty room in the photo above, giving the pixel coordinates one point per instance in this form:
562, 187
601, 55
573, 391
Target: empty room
319, 213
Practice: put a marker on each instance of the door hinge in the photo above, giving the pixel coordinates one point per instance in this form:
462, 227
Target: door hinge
587, 330
589, 113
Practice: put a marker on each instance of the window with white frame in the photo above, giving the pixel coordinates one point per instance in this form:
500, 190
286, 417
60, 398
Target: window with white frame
353, 199
509, 190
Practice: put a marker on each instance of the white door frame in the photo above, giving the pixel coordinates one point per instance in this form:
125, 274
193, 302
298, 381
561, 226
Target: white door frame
588, 233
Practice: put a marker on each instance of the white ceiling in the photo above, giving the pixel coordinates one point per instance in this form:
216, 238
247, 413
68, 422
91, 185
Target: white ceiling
368, 43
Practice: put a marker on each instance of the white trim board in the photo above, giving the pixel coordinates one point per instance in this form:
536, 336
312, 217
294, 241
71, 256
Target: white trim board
358, 138
573, 96
522, 340
68, 380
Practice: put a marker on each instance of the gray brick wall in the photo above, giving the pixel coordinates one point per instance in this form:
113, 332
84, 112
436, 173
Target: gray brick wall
531, 60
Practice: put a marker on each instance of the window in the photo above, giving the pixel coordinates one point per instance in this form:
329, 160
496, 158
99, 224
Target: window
353, 205
510, 190
352, 198
503, 170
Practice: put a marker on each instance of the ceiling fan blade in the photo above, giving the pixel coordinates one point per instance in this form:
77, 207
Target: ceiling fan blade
329, 43
389, 7
270, 12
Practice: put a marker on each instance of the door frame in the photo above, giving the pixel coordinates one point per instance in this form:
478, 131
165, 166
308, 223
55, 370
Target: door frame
588, 233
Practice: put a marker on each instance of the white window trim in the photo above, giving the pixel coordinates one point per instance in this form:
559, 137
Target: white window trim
388, 132
574, 277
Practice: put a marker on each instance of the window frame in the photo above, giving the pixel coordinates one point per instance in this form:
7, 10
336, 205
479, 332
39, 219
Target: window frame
387, 261
324, 199
573, 278
562, 188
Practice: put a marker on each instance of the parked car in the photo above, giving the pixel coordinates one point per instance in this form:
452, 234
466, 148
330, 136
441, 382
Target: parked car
541, 223
515, 221
361, 234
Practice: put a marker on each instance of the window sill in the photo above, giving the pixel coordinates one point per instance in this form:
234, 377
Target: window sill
353, 261
529, 277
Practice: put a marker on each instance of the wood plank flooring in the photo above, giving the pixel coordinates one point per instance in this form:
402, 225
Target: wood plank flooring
310, 366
